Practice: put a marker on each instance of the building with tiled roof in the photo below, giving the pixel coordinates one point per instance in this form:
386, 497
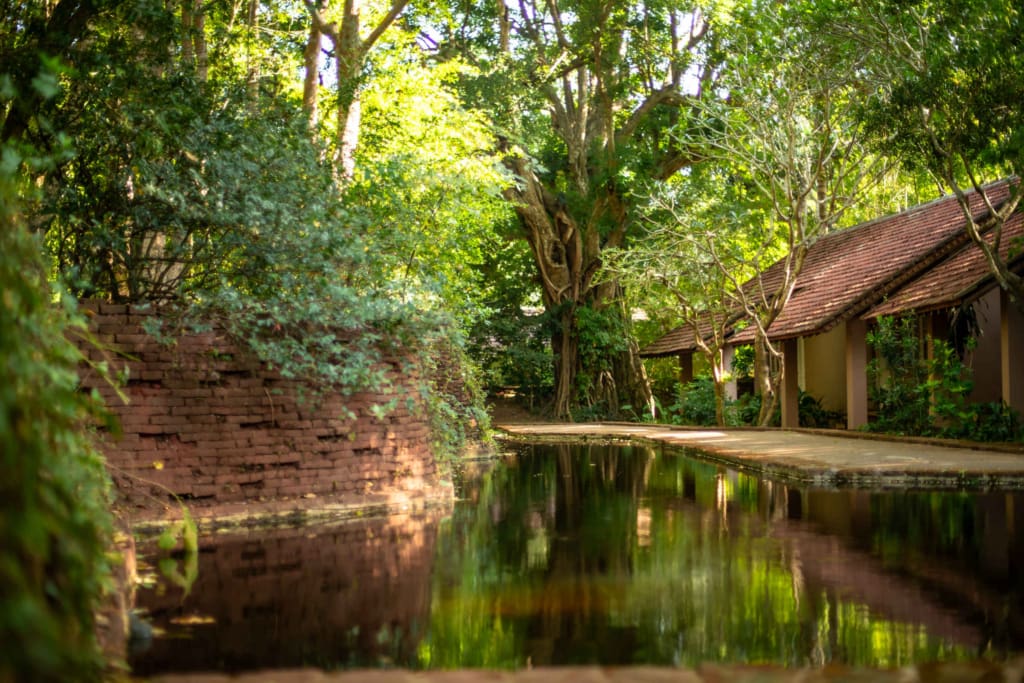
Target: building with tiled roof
919, 260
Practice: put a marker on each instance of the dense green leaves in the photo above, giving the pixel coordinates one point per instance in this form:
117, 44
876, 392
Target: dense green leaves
54, 521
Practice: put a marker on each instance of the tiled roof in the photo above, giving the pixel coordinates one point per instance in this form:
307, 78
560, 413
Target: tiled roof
681, 339
960, 278
846, 272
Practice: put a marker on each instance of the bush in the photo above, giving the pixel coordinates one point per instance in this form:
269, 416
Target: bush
54, 519
697, 402
813, 413
922, 396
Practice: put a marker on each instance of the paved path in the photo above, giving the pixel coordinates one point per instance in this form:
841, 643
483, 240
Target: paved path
817, 456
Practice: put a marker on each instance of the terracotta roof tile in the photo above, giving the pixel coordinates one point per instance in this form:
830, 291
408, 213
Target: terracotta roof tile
681, 339
846, 272
960, 278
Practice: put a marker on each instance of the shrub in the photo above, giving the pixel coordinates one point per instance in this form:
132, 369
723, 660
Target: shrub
54, 520
925, 396
698, 402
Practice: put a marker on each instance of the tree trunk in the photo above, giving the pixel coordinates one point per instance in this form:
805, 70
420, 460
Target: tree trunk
311, 80
565, 349
252, 76
349, 55
765, 378
199, 42
567, 253
718, 378
187, 55
350, 50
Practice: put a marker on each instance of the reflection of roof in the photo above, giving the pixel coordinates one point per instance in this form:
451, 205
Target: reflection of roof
961, 278
861, 577
846, 272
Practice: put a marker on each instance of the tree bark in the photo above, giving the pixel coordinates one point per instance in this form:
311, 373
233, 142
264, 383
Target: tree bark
311, 79
765, 378
350, 50
252, 76
567, 256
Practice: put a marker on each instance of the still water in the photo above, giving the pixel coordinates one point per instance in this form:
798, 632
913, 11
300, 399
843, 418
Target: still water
611, 555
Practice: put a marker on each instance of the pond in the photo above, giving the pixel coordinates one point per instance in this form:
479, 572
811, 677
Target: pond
611, 555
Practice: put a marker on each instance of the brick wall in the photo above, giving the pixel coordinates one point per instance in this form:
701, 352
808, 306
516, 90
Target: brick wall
206, 421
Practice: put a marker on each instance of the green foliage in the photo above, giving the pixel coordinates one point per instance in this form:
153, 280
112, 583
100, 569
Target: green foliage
698, 402
814, 414
919, 395
454, 398
54, 521
898, 378
986, 422
430, 183
510, 339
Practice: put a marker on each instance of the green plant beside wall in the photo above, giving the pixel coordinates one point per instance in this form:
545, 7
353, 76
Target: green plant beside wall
55, 524
454, 399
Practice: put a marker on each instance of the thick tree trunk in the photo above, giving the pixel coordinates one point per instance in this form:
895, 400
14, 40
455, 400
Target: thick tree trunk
565, 348
567, 255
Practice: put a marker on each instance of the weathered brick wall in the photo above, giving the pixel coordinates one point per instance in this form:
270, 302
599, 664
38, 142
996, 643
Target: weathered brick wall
205, 420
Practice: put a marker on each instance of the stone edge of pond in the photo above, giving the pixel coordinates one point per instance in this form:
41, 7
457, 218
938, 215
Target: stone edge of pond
293, 512
818, 476
1010, 671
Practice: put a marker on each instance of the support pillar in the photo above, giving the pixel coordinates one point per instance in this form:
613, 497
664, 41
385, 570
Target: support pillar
685, 367
1011, 352
790, 398
856, 373
728, 353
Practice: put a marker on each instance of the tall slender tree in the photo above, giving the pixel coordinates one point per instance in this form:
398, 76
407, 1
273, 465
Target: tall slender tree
788, 130
351, 41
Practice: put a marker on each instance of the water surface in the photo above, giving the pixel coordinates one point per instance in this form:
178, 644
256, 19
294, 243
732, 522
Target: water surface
613, 555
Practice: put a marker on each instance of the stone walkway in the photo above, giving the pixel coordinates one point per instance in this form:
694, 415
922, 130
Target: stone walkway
818, 456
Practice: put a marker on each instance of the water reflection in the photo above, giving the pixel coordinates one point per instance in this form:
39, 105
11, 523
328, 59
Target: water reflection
622, 555
616, 555
355, 594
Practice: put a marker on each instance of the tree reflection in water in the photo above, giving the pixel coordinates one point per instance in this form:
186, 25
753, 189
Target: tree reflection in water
615, 555
612, 555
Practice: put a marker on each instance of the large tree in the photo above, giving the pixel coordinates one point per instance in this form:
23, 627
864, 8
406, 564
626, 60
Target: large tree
786, 131
949, 92
583, 95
